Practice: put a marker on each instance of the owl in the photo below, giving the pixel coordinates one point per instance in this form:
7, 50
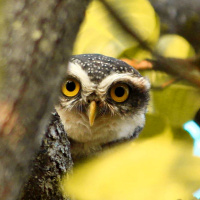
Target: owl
103, 102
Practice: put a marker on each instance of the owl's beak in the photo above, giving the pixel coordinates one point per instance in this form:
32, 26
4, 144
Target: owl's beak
92, 112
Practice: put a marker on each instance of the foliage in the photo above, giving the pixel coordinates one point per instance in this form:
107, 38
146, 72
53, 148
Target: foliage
172, 45
100, 33
158, 168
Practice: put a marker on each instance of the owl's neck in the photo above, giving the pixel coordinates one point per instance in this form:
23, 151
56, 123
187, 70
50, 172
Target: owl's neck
106, 131
86, 150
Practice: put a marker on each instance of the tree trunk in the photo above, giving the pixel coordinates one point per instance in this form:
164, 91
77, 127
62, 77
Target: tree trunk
35, 46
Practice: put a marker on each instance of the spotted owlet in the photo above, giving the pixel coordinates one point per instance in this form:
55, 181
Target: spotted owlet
104, 100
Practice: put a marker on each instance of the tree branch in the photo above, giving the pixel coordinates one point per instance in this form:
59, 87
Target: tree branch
126, 27
186, 69
183, 20
52, 162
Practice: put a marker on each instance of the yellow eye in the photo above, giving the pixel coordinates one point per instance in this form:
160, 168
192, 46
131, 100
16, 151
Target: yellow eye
71, 87
119, 92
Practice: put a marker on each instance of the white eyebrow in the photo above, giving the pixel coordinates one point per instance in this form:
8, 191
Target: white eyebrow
75, 70
140, 82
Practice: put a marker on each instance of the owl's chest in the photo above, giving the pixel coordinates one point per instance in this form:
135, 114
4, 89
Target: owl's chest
87, 140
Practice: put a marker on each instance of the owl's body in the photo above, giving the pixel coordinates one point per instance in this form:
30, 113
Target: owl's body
104, 101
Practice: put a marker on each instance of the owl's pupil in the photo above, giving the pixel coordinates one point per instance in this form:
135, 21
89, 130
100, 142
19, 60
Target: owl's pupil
119, 91
70, 86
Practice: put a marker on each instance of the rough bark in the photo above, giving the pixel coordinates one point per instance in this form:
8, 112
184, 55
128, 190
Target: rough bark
35, 48
52, 162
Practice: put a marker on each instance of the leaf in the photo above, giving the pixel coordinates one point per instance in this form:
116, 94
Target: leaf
139, 53
172, 45
100, 33
178, 103
150, 169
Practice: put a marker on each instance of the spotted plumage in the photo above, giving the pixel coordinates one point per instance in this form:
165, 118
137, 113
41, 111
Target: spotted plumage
104, 101
98, 66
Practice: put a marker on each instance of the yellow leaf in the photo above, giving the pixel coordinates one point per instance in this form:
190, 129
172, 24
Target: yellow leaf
157, 169
139, 53
172, 45
100, 33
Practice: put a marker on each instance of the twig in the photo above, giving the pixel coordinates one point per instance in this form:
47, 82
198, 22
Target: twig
188, 69
126, 27
165, 84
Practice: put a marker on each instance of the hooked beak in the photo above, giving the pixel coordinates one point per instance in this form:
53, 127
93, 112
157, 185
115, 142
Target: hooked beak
92, 110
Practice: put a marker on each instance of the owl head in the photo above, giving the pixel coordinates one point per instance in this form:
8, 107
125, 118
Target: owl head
103, 99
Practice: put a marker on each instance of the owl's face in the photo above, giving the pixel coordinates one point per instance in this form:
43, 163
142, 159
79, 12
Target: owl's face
103, 99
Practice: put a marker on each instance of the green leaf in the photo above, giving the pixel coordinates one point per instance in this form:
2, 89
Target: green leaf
155, 125
100, 33
178, 103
